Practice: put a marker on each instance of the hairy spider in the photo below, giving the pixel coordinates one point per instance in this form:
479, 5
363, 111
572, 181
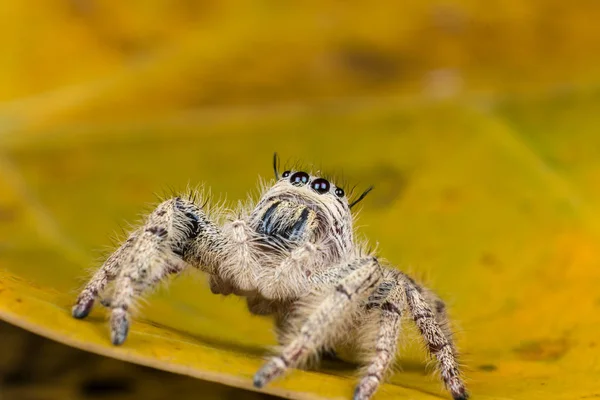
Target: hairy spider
292, 255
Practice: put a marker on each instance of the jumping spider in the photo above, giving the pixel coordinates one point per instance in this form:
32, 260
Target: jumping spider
292, 255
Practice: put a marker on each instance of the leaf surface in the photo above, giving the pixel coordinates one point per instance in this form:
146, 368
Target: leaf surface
486, 168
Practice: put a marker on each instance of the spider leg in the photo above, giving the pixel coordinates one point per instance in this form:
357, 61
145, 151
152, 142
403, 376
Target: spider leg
131, 283
336, 308
388, 301
441, 315
438, 341
107, 273
176, 233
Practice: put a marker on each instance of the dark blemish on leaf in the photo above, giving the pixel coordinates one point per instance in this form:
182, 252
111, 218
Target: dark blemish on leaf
18, 300
369, 63
451, 196
390, 184
448, 19
487, 367
8, 214
526, 207
489, 260
543, 350
106, 387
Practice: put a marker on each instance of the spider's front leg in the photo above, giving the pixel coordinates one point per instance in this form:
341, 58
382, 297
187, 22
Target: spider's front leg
323, 323
175, 233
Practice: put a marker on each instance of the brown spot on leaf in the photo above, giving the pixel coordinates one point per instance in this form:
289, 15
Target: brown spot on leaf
8, 214
543, 350
489, 260
487, 367
391, 184
368, 63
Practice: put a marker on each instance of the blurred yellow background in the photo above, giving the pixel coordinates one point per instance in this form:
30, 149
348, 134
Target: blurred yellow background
476, 121
82, 60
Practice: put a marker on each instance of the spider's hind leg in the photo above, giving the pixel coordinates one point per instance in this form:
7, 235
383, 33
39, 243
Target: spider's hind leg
438, 307
429, 315
398, 293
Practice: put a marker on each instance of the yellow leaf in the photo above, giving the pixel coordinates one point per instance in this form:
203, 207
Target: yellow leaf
492, 200
497, 208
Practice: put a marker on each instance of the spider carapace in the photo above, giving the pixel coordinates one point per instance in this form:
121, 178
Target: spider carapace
293, 255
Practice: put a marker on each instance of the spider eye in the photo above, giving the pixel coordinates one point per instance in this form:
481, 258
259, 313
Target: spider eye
286, 174
320, 185
299, 178
339, 192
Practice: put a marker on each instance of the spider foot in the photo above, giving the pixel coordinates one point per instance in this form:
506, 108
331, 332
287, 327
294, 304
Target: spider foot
366, 388
271, 370
457, 389
119, 326
82, 308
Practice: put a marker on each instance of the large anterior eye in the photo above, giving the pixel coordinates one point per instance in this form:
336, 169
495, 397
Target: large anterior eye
299, 178
320, 185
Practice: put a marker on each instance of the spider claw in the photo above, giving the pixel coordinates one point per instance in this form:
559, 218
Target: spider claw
458, 391
119, 327
258, 381
461, 396
271, 370
366, 388
82, 309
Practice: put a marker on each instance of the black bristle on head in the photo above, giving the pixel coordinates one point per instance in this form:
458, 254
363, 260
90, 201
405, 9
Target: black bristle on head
362, 196
276, 165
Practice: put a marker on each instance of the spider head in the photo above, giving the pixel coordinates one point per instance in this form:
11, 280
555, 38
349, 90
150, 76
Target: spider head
302, 207
319, 185
313, 189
